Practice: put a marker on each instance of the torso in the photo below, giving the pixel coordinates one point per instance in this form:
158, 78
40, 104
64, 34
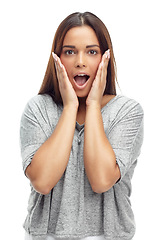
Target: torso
81, 114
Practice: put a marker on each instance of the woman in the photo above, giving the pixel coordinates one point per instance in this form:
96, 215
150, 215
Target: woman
80, 141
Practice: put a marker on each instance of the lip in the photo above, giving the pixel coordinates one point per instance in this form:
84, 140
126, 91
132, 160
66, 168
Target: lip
84, 85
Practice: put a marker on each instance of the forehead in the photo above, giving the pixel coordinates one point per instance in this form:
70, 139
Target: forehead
84, 35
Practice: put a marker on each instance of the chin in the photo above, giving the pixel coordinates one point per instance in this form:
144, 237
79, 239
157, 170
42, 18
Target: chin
81, 95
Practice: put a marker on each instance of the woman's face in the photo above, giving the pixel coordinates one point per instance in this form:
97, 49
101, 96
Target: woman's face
81, 56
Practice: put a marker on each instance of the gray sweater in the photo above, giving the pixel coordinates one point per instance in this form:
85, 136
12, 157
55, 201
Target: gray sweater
72, 209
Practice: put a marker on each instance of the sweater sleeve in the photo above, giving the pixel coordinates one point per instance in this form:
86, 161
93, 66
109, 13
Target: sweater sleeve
33, 131
126, 136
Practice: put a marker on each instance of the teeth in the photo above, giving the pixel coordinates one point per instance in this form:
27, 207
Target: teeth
81, 75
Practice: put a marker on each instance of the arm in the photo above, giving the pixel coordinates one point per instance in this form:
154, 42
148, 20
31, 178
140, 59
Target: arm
99, 157
50, 160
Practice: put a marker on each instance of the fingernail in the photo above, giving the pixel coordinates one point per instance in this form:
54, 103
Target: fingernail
101, 64
61, 64
54, 56
107, 54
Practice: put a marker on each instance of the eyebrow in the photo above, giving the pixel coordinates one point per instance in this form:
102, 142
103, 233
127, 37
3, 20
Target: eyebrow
88, 46
68, 46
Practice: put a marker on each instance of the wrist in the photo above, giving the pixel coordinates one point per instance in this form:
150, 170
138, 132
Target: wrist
93, 105
70, 109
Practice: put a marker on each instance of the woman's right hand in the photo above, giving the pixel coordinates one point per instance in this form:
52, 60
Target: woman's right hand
68, 94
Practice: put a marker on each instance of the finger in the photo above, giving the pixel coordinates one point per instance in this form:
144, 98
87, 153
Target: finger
102, 69
61, 71
98, 74
56, 64
56, 61
106, 55
105, 60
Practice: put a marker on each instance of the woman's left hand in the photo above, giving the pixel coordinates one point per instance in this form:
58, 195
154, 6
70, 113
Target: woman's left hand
96, 93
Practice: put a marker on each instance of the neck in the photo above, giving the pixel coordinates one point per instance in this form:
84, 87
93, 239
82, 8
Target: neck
82, 104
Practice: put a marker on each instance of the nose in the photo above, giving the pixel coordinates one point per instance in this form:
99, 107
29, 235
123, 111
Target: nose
80, 61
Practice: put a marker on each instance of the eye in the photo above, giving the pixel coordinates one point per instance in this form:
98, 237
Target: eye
69, 52
92, 52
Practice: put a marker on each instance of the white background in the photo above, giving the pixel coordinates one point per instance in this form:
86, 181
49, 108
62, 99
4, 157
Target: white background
27, 30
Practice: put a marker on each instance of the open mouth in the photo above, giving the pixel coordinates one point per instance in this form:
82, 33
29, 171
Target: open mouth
81, 79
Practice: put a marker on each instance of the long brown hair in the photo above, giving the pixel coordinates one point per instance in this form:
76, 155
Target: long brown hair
50, 81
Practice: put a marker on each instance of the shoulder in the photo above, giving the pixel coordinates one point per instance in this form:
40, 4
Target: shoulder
123, 105
41, 102
40, 99
41, 110
122, 109
41, 107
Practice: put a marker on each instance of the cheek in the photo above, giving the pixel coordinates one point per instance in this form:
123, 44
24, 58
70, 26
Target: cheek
67, 64
95, 67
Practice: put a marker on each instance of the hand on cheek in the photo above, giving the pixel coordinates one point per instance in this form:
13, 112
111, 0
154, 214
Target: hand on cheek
68, 94
96, 93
